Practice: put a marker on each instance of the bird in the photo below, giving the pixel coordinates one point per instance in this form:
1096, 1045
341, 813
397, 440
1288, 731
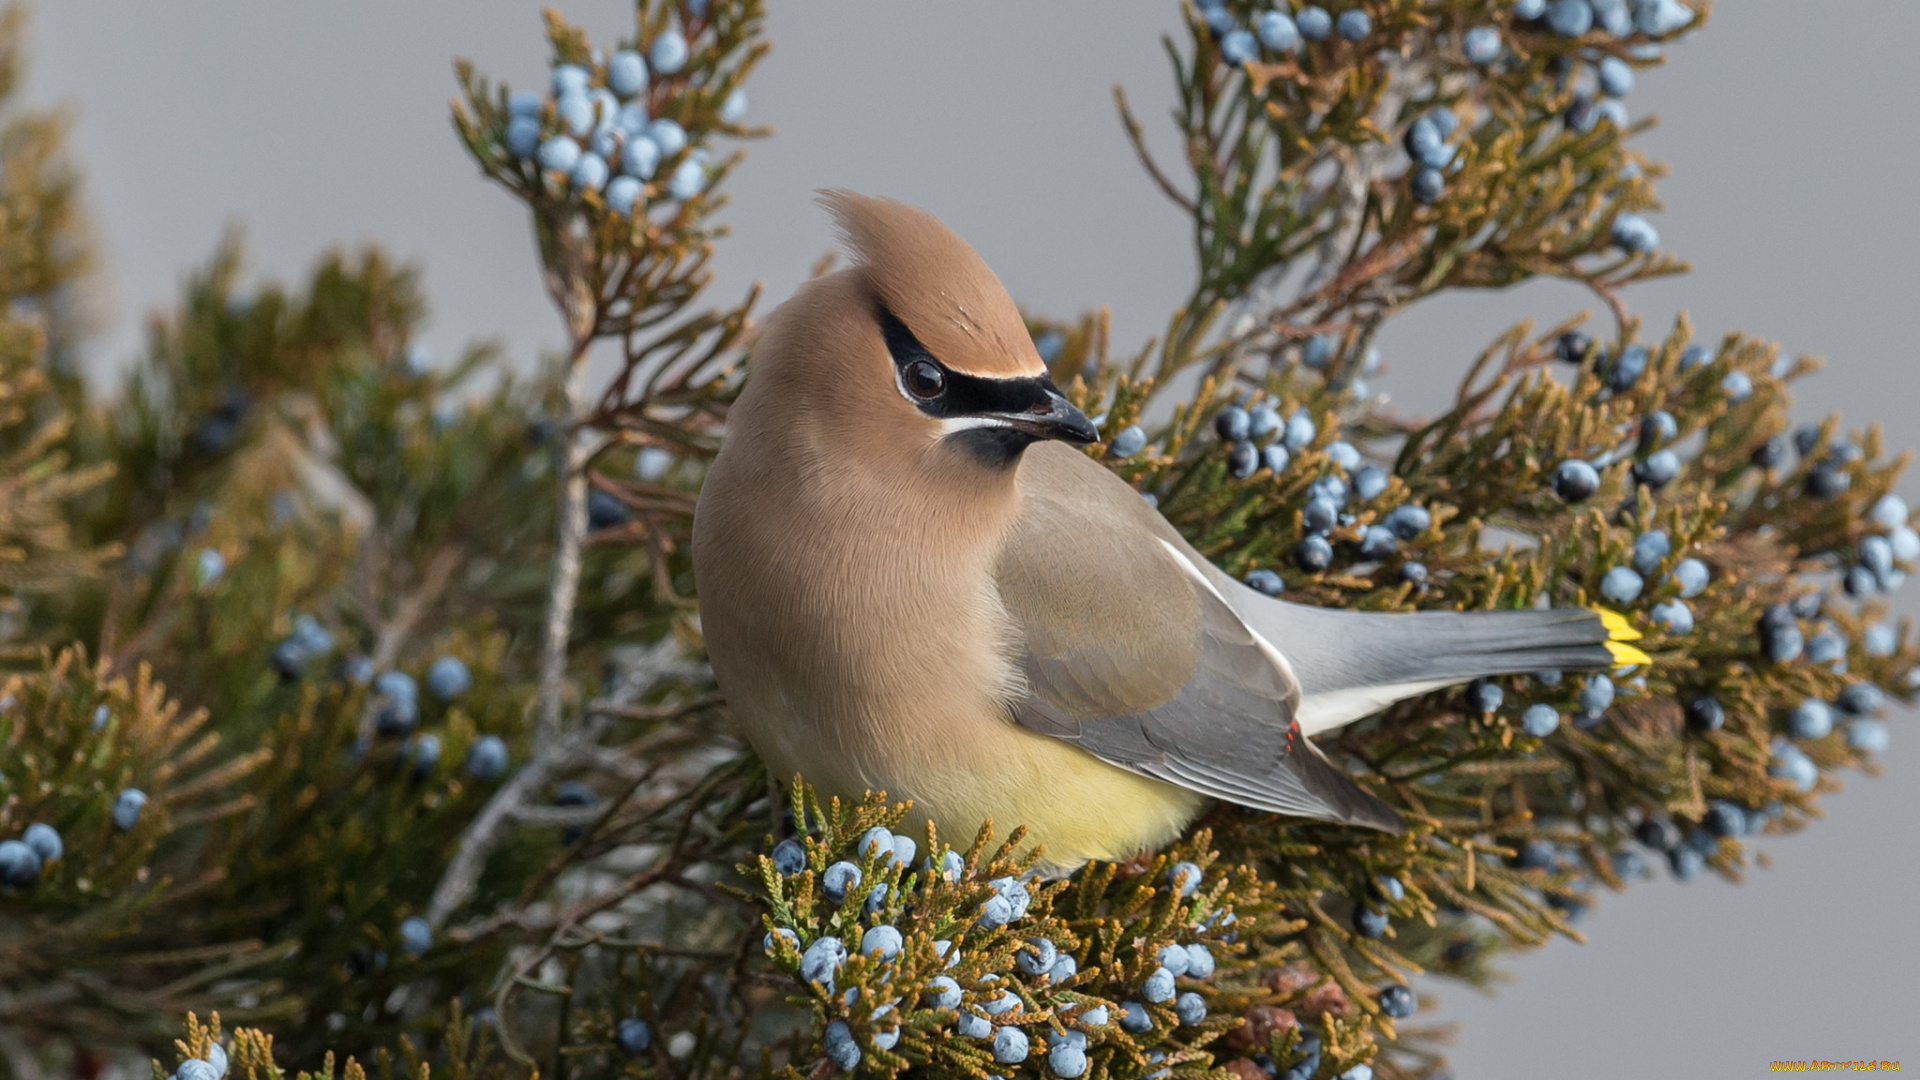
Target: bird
914, 579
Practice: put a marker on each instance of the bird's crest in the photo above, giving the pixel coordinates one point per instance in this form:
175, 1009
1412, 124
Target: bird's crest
932, 281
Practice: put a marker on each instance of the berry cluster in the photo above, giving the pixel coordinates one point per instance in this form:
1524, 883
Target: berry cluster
602, 130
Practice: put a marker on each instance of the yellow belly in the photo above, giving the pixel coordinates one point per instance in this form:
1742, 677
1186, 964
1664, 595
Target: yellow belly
1075, 807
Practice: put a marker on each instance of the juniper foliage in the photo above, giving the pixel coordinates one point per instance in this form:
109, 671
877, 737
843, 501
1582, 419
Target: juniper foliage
367, 705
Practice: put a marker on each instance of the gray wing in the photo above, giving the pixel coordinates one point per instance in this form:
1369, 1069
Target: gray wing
1132, 655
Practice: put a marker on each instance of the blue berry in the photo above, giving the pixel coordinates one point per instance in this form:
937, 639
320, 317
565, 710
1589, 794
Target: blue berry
821, 960
1596, 695
1216, 16
423, 751
127, 807
1659, 469
559, 154
641, 158
210, 567
1277, 31
973, 1026
1826, 647
780, 933
1237, 47
1377, 542
881, 942
1005, 1003
524, 103
1066, 967
570, 79
840, 879
875, 841
1674, 616
590, 172
622, 192
1134, 1018
1658, 833
416, 937
1414, 573
1633, 233
1737, 386
1692, 577
1369, 923
1369, 482
1484, 696
1095, 1017
1725, 819
1184, 876
631, 119
1263, 421
943, 992
1572, 347
1621, 585
1232, 424
1314, 23
1130, 441
1409, 520
1570, 18
1626, 370
1889, 512
1159, 987
1313, 554
626, 73
734, 108
1811, 719
44, 839
1906, 544
669, 52
1036, 957
1190, 1009
837, 1040
1343, 454
1771, 454
1319, 350
904, 849
1319, 516
523, 136
1200, 963
1300, 430
1782, 644
448, 678
1266, 581
19, 864
1481, 44
1540, 721
1876, 554
575, 113
1173, 958
1014, 892
1868, 737
689, 179
1529, 9
1427, 186
1242, 460
487, 758
1354, 25
1880, 639
995, 912
1686, 863
1275, 459
1657, 427
1657, 18
1576, 481
1860, 699
1397, 1001
1795, 767
1859, 581
1649, 549
633, 1036
1010, 1046
1705, 714
668, 136
1616, 77
789, 857
1067, 1061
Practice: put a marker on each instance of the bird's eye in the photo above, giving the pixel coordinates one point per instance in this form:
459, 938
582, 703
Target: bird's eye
925, 380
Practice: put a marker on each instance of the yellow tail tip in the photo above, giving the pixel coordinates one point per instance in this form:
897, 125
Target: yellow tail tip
1618, 628
1626, 654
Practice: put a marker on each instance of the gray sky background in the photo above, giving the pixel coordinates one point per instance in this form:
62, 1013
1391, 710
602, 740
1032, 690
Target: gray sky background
1791, 141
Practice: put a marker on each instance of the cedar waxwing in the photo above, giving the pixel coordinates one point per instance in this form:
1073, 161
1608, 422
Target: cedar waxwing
913, 581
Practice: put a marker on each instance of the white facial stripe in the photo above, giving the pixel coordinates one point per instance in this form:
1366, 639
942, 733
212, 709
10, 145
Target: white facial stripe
967, 423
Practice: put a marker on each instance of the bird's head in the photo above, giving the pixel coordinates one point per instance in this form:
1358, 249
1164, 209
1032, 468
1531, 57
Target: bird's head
917, 345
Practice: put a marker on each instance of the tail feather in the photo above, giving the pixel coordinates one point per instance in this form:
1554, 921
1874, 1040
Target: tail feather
1337, 650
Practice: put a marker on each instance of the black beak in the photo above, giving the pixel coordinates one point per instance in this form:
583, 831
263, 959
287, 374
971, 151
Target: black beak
1053, 417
